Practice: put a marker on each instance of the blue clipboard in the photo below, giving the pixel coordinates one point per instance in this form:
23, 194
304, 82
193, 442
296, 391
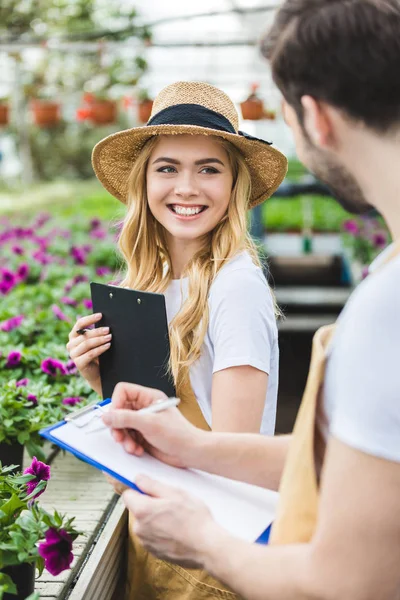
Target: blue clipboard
47, 433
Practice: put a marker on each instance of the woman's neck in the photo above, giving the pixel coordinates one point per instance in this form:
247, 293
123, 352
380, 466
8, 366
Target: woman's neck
181, 252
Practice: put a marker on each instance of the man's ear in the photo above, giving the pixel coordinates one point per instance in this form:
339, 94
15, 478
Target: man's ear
317, 122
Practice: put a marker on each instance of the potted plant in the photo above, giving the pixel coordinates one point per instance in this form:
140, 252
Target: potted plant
253, 107
4, 111
30, 537
46, 112
97, 108
145, 106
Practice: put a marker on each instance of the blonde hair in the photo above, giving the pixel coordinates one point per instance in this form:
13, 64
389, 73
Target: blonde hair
143, 246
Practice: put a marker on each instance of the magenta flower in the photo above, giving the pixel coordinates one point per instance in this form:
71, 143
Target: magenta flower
42, 219
71, 368
11, 323
351, 226
95, 224
379, 240
18, 250
79, 255
13, 359
41, 471
87, 303
68, 301
23, 271
8, 277
22, 382
80, 279
41, 257
102, 271
32, 398
5, 288
98, 234
56, 551
59, 313
53, 367
72, 401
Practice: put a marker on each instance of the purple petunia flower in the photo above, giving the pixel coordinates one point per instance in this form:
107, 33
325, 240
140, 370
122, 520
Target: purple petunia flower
72, 401
13, 359
59, 313
56, 551
5, 288
351, 226
22, 382
95, 224
11, 323
41, 471
18, 250
102, 271
53, 367
98, 234
23, 271
68, 301
87, 303
379, 240
80, 279
79, 255
42, 219
32, 398
71, 368
8, 277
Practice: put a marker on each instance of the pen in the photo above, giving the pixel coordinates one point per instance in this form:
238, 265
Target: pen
157, 407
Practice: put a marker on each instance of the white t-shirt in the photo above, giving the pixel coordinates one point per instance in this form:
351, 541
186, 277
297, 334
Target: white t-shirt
241, 331
362, 384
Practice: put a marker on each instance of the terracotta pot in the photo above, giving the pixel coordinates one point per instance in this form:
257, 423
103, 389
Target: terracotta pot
103, 112
24, 578
252, 108
46, 113
144, 110
4, 110
11, 454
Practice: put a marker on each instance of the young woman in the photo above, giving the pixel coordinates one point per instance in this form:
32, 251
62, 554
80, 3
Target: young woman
188, 178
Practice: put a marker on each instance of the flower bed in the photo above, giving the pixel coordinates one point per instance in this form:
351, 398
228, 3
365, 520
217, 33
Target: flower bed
45, 269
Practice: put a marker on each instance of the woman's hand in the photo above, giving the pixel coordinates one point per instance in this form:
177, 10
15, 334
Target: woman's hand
167, 435
85, 349
170, 523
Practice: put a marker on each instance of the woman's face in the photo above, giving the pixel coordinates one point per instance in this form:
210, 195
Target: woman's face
189, 184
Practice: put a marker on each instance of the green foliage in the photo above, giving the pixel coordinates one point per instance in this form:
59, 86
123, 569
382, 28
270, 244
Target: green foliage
24, 523
286, 214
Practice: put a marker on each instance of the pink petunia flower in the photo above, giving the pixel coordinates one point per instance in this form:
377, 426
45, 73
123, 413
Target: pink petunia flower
11, 323
87, 303
22, 382
13, 359
59, 313
71, 368
41, 471
351, 226
32, 398
18, 250
53, 367
72, 401
56, 551
23, 271
102, 271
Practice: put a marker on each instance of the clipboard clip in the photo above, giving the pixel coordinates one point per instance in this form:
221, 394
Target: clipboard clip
83, 417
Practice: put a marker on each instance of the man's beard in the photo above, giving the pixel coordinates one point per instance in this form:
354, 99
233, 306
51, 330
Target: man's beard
340, 181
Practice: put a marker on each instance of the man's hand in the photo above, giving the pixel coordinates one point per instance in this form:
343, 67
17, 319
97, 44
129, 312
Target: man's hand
166, 435
170, 524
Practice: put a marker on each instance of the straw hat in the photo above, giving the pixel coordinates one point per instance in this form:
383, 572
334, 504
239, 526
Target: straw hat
189, 107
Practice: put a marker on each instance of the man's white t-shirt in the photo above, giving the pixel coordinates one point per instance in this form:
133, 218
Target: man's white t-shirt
241, 331
362, 383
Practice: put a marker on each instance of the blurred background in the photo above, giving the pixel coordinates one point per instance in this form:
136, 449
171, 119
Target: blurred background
72, 72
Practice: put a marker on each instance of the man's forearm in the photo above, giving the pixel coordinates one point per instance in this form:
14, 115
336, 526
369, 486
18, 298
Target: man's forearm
247, 457
257, 572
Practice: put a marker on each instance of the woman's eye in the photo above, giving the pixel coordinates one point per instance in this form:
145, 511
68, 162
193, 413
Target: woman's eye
166, 170
209, 170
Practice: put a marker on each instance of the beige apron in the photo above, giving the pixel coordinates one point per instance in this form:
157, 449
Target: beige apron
299, 494
148, 577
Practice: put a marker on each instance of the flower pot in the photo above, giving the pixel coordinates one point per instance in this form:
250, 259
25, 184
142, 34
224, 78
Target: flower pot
24, 578
4, 109
45, 113
11, 454
144, 110
103, 112
252, 108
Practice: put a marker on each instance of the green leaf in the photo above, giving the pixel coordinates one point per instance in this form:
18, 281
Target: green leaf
12, 506
7, 585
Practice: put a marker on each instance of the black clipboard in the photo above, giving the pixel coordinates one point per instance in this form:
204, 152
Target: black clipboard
140, 349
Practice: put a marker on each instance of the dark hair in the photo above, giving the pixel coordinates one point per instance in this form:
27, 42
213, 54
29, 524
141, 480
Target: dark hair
343, 52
